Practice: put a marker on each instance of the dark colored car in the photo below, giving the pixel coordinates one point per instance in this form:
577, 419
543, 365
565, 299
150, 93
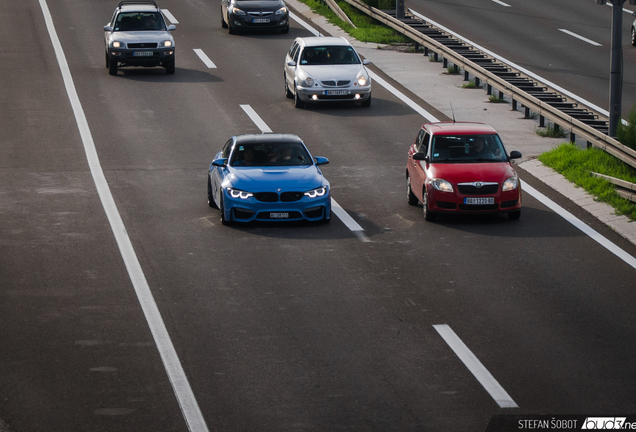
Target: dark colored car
254, 15
460, 167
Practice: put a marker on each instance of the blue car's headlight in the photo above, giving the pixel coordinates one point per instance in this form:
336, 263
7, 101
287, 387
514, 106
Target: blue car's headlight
237, 193
315, 193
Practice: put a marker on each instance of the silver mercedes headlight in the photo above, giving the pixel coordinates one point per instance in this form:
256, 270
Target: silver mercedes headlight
362, 80
309, 82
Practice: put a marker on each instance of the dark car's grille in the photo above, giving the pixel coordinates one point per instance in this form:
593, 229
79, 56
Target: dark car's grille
472, 190
290, 196
142, 45
260, 14
266, 196
332, 83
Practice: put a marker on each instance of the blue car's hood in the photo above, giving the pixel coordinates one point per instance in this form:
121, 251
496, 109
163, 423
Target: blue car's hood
262, 179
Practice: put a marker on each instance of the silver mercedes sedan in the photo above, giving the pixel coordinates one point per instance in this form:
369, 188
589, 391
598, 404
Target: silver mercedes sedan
321, 69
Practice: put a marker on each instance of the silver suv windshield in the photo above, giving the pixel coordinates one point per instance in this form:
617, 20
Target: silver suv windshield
139, 21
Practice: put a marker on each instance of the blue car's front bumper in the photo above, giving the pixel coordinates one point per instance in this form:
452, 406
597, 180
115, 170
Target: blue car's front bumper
251, 209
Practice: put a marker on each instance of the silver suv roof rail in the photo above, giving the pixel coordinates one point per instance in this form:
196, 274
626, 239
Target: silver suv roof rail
127, 2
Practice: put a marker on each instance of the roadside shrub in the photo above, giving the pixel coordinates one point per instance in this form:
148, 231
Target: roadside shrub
627, 134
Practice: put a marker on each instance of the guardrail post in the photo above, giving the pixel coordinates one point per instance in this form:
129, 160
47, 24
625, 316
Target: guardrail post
399, 9
589, 145
572, 138
501, 95
514, 105
527, 113
435, 57
456, 68
477, 82
444, 63
426, 51
488, 89
541, 121
556, 128
466, 76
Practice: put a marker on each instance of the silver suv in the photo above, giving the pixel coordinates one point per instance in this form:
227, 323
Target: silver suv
137, 35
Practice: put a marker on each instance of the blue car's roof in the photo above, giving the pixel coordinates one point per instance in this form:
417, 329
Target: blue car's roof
265, 138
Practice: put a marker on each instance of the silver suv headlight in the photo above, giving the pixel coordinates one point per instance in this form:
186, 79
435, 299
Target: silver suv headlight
165, 43
117, 44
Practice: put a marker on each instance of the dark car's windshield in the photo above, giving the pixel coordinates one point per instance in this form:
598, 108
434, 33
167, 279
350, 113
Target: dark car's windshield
328, 55
135, 21
467, 148
271, 154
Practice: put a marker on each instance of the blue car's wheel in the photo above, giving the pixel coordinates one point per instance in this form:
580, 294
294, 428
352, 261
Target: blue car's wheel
224, 221
210, 197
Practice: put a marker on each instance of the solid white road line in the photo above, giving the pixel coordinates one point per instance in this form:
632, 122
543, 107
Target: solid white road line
475, 367
418, 109
178, 379
172, 19
258, 121
630, 260
308, 27
204, 58
591, 42
501, 3
348, 221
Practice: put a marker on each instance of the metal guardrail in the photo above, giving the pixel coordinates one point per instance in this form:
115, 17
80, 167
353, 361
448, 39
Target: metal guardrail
624, 188
529, 92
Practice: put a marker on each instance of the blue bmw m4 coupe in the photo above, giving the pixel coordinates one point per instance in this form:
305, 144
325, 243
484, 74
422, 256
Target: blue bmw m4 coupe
268, 177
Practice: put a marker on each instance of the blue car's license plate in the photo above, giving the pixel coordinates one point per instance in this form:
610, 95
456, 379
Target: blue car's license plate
279, 215
142, 53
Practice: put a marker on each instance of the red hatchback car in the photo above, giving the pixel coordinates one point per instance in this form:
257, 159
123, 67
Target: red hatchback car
462, 168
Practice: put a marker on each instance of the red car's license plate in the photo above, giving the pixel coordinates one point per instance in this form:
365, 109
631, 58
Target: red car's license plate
477, 201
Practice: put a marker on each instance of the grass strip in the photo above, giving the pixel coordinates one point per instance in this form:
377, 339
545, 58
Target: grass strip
575, 164
368, 29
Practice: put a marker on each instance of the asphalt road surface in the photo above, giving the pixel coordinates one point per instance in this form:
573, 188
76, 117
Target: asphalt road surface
567, 42
267, 327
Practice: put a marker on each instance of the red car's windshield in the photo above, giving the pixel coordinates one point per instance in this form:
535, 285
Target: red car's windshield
467, 148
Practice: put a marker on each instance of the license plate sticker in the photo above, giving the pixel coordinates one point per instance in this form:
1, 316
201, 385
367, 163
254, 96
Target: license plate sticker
260, 20
477, 201
142, 53
279, 215
336, 92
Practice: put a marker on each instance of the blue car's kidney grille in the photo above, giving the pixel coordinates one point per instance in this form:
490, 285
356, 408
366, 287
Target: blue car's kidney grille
266, 196
291, 196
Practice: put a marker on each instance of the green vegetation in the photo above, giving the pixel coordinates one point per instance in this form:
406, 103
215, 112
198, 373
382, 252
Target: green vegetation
469, 85
493, 98
368, 29
576, 164
627, 134
551, 131
453, 71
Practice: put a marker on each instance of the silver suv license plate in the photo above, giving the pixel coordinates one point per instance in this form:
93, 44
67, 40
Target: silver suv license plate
279, 215
489, 200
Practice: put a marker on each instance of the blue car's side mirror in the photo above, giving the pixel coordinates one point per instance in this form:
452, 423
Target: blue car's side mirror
220, 162
321, 160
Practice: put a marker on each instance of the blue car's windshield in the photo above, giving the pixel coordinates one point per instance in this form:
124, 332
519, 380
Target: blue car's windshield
467, 149
270, 154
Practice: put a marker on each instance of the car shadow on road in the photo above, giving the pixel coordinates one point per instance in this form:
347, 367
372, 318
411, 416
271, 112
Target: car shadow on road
158, 74
378, 108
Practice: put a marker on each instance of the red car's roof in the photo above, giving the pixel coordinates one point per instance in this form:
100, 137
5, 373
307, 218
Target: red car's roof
459, 128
